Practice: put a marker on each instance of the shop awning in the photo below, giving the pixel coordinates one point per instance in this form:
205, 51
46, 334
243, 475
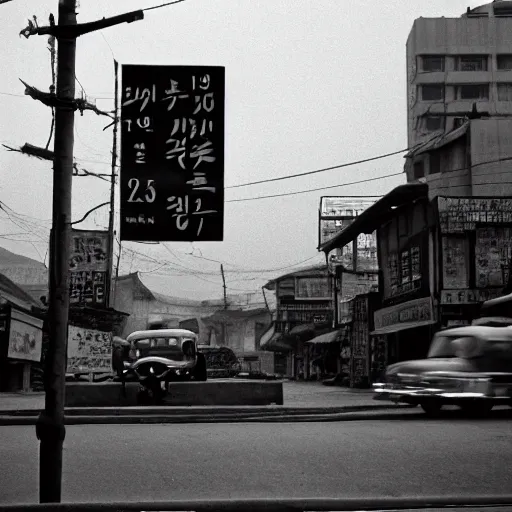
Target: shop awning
329, 337
267, 335
275, 342
389, 329
302, 329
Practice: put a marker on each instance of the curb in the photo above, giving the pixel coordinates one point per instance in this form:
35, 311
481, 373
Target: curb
360, 412
201, 410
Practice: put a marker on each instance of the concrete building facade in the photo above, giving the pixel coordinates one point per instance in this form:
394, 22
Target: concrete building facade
454, 63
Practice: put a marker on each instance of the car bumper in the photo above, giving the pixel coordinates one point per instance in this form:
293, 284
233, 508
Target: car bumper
415, 396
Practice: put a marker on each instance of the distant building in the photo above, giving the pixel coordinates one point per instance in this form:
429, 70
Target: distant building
453, 63
147, 308
29, 274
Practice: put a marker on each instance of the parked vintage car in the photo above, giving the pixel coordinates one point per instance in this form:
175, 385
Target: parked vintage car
162, 356
470, 367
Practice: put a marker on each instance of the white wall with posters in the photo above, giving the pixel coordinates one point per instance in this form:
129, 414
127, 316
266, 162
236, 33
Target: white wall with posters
89, 350
25, 337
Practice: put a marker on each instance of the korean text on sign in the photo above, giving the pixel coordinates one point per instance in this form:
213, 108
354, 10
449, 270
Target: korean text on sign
172, 153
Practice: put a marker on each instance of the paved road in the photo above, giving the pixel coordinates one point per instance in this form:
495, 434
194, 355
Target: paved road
408, 455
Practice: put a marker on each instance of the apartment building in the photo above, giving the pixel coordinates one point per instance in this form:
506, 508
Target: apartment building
455, 63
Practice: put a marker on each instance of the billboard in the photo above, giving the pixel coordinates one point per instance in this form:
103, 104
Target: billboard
89, 268
25, 337
335, 214
172, 153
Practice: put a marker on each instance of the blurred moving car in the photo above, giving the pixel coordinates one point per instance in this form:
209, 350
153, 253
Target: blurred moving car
470, 367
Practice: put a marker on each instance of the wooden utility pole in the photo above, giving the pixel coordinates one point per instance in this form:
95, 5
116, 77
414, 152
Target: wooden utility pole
50, 429
225, 304
111, 216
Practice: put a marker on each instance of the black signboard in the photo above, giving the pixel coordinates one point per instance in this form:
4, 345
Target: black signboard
172, 153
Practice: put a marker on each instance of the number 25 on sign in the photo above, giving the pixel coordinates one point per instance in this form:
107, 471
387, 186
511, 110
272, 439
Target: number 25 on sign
140, 194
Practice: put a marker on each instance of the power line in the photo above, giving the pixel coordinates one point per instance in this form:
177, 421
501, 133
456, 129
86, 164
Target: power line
308, 173
163, 5
317, 189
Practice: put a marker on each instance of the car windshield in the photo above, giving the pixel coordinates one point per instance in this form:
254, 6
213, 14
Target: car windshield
453, 346
172, 344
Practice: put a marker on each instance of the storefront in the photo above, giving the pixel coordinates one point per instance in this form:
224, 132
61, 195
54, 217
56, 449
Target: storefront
21, 338
475, 250
403, 332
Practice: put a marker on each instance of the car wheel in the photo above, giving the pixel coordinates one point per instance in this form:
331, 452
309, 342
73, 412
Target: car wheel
477, 409
432, 408
200, 372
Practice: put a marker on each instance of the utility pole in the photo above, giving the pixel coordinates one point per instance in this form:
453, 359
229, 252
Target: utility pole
112, 287
225, 304
50, 429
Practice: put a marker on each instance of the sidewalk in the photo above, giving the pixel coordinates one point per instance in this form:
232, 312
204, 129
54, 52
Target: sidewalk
296, 394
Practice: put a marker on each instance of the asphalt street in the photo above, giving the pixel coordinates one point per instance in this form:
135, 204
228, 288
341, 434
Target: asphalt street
407, 455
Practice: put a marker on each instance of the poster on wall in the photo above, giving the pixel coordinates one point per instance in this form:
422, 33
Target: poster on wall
89, 268
493, 253
460, 214
89, 350
25, 337
455, 273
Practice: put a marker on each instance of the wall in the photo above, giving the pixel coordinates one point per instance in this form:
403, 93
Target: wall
455, 36
491, 146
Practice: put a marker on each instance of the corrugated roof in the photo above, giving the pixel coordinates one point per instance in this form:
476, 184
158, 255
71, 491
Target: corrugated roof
439, 141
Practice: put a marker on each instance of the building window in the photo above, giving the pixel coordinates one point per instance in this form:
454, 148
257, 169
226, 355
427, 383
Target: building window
418, 171
432, 63
434, 123
504, 92
432, 92
473, 92
472, 63
504, 11
505, 62
435, 162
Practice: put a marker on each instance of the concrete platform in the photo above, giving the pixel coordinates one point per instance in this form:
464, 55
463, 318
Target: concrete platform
213, 393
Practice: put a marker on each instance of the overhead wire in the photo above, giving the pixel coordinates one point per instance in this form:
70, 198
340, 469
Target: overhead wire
309, 173
297, 192
163, 5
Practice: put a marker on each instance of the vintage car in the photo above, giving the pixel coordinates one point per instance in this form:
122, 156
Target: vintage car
470, 367
165, 355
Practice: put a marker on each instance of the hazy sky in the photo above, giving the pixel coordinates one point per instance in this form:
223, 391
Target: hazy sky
309, 84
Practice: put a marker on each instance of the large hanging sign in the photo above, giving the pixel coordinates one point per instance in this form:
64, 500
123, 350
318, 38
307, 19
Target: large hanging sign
172, 153
89, 268
335, 214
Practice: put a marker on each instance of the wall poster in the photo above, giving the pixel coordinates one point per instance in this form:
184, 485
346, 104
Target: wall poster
460, 214
455, 269
25, 337
89, 267
89, 351
493, 253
